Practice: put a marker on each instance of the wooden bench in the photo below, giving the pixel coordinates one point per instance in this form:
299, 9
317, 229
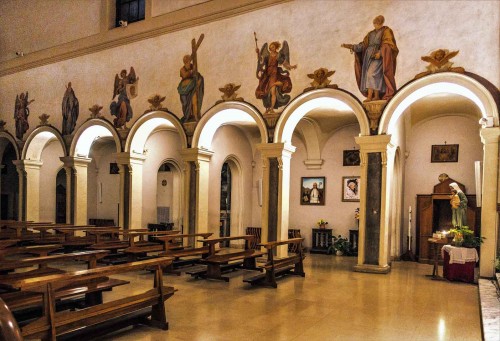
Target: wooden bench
278, 267
39, 250
72, 324
182, 254
217, 263
142, 248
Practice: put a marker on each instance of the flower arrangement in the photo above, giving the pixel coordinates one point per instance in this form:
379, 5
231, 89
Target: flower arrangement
322, 223
356, 213
340, 246
464, 236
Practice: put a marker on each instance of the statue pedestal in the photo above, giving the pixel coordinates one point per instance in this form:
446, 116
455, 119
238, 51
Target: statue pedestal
374, 111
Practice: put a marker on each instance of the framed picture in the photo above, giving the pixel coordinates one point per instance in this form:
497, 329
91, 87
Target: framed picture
312, 191
350, 188
351, 158
444, 153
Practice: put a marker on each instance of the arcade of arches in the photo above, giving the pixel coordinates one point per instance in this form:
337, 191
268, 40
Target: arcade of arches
159, 169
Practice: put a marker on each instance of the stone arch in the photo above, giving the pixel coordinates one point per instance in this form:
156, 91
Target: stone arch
146, 124
88, 132
178, 180
445, 82
308, 101
38, 140
226, 113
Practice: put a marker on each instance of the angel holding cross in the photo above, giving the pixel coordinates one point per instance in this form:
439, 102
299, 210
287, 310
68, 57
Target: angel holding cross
191, 86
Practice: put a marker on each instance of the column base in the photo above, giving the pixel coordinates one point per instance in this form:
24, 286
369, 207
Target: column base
375, 269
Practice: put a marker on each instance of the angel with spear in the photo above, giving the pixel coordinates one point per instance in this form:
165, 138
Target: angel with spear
274, 82
191, 86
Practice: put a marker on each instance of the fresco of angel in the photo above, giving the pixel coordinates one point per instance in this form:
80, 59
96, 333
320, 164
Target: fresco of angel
320, 79
21, 113
274, 82
70, 110
126, 86
440, 62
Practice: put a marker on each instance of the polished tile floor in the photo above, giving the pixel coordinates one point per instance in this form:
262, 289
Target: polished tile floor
330, 303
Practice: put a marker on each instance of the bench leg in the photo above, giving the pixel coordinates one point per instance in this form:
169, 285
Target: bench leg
214, 272
94, 298
250, 264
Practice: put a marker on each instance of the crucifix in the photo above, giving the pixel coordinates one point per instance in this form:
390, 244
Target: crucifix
194, 48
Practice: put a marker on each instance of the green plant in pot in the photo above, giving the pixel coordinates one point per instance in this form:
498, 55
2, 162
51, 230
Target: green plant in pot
464, 236
340, 246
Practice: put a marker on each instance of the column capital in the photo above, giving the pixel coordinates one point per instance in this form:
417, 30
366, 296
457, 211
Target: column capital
127, 158
24, 164
196, 154
272, 150
75, 161
489, 135
313, 164
373, 143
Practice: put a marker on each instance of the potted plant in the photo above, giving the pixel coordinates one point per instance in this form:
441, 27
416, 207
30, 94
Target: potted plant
463, 236
340, 246
322, 224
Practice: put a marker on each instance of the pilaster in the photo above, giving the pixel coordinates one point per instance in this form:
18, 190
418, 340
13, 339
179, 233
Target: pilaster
373, 249
275, 191
29, 186
131, 177
199, 160
78, 191
490, 188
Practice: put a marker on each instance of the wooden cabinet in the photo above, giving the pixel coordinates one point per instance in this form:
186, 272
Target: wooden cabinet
434, 214
321, 240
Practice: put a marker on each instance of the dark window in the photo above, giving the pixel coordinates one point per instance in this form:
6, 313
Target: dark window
129, 11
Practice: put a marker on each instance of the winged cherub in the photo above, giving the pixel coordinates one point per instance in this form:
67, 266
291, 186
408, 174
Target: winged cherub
440, 62
126, 89
229, 93
274, 82
320, 79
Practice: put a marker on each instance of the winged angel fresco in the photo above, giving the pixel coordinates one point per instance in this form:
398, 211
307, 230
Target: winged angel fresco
439, 61
274, 82
126, 87
21, 113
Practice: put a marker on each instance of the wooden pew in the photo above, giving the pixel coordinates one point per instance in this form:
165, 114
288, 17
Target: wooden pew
278, 267
5, 243
71, 324
217, 263
142, 248
39, 250
183, 254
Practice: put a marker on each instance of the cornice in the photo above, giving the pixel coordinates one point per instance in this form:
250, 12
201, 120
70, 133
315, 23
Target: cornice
152, 27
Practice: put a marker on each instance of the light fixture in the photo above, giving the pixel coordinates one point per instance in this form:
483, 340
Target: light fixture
20, 53
123, 23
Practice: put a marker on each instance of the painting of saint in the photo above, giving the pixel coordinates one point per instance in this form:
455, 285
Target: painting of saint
312, 191
192, 85
21, 113
70, 110
274, 81
126, 88
350, 188
375, 62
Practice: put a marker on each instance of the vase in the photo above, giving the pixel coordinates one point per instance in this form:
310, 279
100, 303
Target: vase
322, 226
339, 253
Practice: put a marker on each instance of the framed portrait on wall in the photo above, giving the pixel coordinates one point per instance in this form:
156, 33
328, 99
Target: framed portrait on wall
351, 158
444, 153
350, 188
312, 190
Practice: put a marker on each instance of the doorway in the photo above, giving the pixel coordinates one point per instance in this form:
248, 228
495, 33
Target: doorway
61, 197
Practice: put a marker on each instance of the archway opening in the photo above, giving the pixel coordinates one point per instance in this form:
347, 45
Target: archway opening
61, 197
9, 183
225, 202
164, 194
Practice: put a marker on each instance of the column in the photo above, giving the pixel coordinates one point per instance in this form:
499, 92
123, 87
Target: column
1, 168
275, 191
22, 189
70, 218
199, 169
373, 250
77, 194
131, 177
29, 170
490, 188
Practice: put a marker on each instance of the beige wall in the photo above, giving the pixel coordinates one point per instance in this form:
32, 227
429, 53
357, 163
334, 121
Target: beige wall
33, 25
230, 141
421, 175
313, 29
339, 214
161, 145
48, 174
